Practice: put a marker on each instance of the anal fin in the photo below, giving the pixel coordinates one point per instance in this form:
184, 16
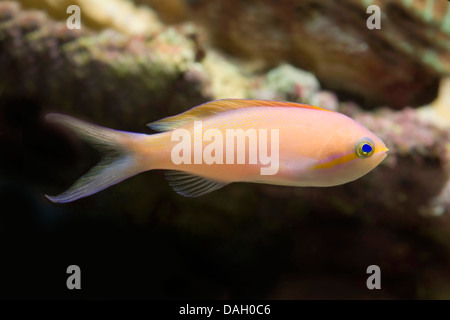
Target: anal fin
190, 185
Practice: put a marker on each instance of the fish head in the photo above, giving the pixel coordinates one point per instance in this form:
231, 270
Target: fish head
349, 152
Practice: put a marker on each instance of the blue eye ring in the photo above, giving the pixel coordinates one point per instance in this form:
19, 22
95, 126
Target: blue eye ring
364, 147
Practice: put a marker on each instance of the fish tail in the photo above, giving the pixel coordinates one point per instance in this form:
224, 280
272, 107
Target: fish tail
121, 159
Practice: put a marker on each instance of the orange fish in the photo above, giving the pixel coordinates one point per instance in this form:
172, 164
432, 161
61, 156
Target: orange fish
232, 140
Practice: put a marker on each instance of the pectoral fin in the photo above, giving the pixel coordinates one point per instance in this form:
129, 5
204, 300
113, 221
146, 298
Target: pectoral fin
189, 185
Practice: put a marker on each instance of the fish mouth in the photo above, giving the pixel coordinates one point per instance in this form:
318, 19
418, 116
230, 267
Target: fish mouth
382, 152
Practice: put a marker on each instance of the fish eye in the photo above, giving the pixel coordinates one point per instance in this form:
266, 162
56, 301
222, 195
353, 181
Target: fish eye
364, 148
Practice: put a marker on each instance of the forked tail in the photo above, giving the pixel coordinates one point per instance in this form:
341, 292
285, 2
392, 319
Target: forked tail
119, 161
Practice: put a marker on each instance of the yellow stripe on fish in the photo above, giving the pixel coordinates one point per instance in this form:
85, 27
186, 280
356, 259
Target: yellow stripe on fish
334, 162
232, 140
359, 152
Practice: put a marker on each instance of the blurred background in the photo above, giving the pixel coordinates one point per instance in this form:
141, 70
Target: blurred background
133, 62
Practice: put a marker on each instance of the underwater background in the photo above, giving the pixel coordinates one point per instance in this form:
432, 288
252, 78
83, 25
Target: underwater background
133, 62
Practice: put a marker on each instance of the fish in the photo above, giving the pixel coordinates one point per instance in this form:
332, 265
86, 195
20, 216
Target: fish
231, 140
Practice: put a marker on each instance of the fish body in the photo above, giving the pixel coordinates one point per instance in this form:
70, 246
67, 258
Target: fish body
282, 143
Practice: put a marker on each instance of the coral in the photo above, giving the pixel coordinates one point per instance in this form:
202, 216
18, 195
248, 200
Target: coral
286, 82
133, 74
120, 15
153, 75
227, 78
402, 62
442, 102
285, 78
398, 65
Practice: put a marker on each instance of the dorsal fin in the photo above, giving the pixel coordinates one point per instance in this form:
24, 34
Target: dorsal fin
218, 106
